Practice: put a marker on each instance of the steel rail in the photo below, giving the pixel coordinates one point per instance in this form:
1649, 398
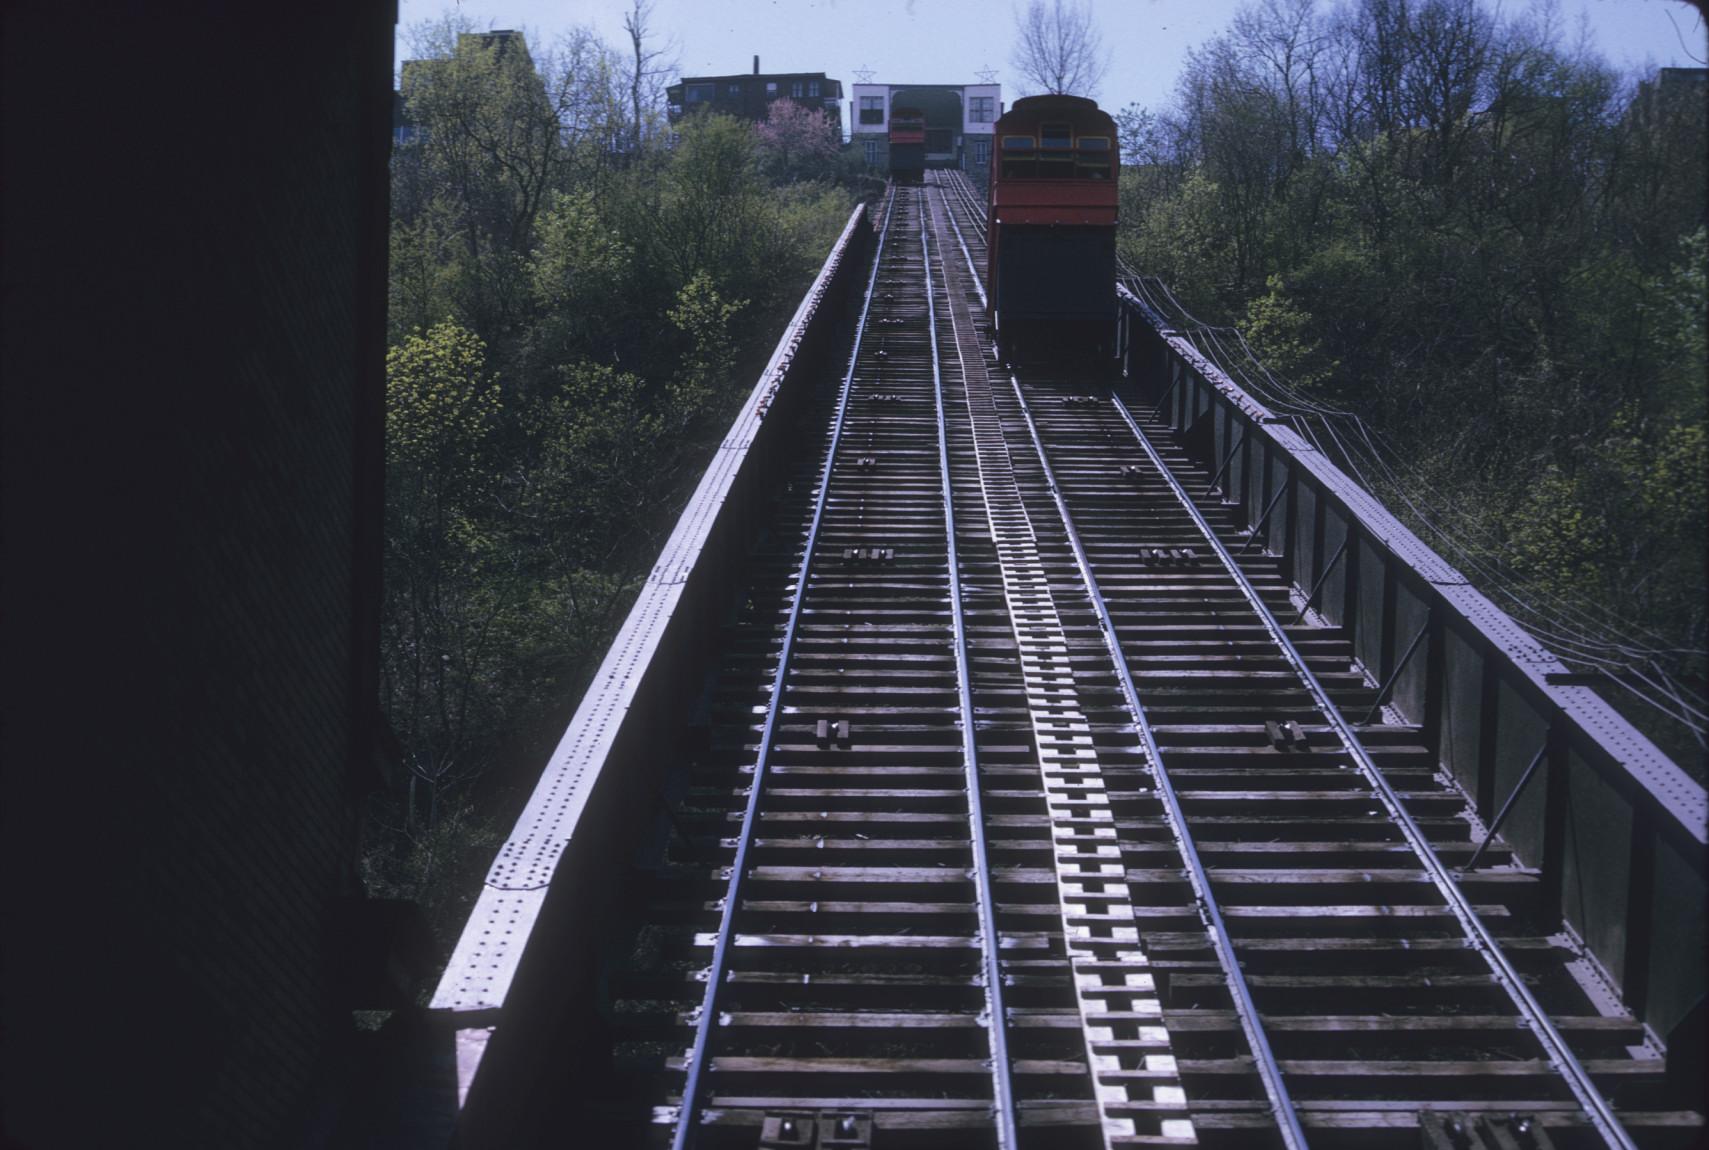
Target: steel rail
1578, 1080
964, 190
996, 1020
947, 180
708, 1013
1210, 912
973, 272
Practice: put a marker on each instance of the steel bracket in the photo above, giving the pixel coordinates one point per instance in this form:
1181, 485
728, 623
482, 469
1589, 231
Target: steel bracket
824, 1130
1439, 1130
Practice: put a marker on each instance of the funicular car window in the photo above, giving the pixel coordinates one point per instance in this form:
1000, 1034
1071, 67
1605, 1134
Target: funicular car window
1056, 152
1055, 167
1019, 158
1092, 159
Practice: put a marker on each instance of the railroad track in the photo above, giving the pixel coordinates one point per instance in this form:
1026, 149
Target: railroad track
1033, 811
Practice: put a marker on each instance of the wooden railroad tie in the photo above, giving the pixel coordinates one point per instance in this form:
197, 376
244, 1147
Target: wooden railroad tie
868, 554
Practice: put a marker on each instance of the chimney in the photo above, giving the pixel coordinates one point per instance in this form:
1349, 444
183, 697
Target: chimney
756, 65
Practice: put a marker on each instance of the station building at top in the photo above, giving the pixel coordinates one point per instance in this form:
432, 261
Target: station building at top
749, 97
959, 121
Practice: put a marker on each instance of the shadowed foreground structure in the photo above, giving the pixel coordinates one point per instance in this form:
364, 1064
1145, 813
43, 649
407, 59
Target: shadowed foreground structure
195, 247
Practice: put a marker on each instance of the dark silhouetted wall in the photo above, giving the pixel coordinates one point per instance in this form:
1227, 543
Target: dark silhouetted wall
193, 357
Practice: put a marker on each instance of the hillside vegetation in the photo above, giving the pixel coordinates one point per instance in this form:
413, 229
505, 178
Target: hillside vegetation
1476, 253
578, 299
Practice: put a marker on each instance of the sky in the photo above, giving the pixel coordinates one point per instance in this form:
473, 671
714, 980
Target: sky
955, 41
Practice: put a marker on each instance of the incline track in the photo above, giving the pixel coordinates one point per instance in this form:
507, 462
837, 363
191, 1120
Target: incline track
1000, 835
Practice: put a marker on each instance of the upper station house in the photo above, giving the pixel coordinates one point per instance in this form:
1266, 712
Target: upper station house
959, 120
959, 117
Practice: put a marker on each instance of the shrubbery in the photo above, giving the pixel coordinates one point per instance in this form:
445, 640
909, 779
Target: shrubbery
1489, 246
573, 316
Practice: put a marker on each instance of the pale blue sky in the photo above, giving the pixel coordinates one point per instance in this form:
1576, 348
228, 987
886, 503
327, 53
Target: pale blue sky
951, 41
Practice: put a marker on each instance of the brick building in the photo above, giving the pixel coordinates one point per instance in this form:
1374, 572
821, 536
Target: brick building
748, 97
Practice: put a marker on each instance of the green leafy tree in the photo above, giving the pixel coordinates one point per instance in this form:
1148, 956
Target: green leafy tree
441, 410
583, 274
598, 465
1280, 332
705, 319
1484, 242
711, 214
575, 306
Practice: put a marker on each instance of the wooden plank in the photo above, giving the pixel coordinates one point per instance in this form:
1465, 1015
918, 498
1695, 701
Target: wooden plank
1011, 941
757, 1064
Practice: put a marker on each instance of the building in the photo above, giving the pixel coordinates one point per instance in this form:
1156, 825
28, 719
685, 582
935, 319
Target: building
959, 118
506, 45
749, 97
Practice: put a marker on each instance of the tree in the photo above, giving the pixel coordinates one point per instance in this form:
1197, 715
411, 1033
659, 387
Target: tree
1057, 47
796, 142
651, 64
1483, 242
441, 409
712, 202
704, 317
585, 80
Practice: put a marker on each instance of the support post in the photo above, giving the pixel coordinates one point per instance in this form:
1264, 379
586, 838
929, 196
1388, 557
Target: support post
1226, 460
1322, 577
1435, 685
1489, 711
1388, 684
1174, 378
1287, 485
1640, 899
1507, 807
1554, 862
1350, 589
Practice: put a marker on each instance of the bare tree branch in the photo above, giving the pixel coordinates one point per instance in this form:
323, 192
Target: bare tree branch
1057, 48
652, 63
